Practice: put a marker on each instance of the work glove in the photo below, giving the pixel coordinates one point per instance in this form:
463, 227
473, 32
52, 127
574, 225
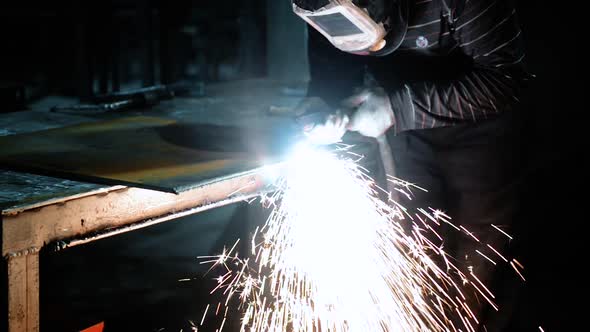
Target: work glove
320, 123
370, 112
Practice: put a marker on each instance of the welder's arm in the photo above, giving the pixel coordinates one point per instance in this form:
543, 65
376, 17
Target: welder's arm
333, 74
488, 34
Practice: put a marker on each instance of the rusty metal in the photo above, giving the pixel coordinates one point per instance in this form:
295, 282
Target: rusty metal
64, 244
134, 151
87, 218
30, 228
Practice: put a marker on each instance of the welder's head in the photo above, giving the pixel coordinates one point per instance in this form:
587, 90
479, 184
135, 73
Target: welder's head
364, 27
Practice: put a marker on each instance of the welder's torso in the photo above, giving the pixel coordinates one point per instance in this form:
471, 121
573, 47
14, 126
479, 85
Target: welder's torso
428, 50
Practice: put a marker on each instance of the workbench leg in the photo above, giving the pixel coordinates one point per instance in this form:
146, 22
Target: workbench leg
23, 293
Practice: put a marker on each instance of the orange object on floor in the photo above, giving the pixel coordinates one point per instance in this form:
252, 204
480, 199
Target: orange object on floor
96, 328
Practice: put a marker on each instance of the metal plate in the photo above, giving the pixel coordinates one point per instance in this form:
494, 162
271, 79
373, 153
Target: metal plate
148, 152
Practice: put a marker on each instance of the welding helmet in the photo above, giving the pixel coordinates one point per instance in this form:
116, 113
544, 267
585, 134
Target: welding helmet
364, 27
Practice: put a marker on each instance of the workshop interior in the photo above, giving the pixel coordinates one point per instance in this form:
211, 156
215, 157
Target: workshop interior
139, 141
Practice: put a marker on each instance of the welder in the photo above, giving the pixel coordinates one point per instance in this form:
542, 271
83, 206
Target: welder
438, 82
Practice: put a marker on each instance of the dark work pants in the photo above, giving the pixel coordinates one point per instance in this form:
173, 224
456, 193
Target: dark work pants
474, 173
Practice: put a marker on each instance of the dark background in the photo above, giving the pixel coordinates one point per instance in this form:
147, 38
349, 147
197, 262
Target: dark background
80, 48
83, 48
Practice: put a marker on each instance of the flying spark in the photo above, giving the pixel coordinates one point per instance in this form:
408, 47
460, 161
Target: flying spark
335, 257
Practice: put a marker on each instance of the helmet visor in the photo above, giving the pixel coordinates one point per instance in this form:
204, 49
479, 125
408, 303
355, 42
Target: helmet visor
345, 25
352, 29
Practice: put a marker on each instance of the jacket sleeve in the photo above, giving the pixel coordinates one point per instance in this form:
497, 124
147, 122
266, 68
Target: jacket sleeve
486, 33
333, 74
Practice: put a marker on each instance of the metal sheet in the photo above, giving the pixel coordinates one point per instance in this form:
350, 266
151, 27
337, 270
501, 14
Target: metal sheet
148, 152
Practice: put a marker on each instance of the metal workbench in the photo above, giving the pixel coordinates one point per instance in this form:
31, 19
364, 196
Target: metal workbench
38, 210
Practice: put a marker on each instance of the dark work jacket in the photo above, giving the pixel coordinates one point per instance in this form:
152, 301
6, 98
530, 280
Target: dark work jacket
461, 61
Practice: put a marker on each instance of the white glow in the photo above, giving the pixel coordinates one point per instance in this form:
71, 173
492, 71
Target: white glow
336, 207
334, 257
332, 265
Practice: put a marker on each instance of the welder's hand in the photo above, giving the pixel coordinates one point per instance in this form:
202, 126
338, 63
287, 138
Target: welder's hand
371, 112
329, 131
320, 123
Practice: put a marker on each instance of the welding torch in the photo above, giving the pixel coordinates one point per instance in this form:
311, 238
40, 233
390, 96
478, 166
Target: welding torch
323, 125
